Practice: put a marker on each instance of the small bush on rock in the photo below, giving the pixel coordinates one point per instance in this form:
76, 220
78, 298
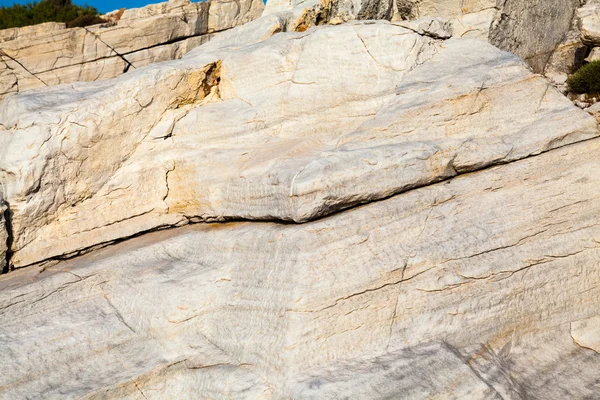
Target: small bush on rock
586, 79
85, 20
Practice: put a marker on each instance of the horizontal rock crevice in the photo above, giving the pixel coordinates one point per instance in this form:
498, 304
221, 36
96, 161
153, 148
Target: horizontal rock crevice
236, 220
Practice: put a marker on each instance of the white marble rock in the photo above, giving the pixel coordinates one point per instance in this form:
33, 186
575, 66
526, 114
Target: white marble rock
49, 54
533, 30
379, 212
244, 132
3, 236
484, 286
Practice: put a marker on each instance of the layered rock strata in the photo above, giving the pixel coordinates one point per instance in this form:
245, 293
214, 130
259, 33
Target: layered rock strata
270, 130
382, 211
480, 287
50, 54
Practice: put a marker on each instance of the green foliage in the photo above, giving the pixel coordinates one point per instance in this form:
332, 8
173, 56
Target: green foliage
85, 20
586, 79
46, 11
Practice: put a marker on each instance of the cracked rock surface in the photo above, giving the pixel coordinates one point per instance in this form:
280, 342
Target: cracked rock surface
268, 131
49, 54
373, 210
449, 290
534, 30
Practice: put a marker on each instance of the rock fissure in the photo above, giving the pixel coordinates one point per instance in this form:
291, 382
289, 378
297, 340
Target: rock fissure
139, 389
375, 289
9, 239
4, 54
122, 57
206, 219
118, 314
477, 373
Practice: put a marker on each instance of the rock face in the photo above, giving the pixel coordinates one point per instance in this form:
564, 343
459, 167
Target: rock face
370, 303
285, 137
381, 211
50, 54
534, 29
471, 18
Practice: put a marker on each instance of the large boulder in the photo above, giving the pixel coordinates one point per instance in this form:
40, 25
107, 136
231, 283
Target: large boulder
589, 16
533, 29
268, 131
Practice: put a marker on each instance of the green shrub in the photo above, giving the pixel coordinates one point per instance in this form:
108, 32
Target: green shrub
45, 11
85, 20
586, 79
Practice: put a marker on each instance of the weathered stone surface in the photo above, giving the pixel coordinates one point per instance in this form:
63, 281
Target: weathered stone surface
589, 16
244, 132
534, 30
225, 14
594, 55
30, 31
447, 8
594, 110
586, 333
415, 218
568, 56
437, 28
474, 24
49, 54
471, 288
531, 29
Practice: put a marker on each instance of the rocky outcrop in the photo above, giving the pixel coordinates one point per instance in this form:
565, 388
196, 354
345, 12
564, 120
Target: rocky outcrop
369, 303
286, 138
50, 54
534, 30
380, 210
28, 32
470, 18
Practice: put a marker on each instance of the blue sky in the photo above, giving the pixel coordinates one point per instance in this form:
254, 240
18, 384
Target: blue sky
102, 5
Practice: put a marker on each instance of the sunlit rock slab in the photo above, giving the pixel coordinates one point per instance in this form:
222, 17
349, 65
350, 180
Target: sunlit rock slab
290, 128
531, 29
484, 286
